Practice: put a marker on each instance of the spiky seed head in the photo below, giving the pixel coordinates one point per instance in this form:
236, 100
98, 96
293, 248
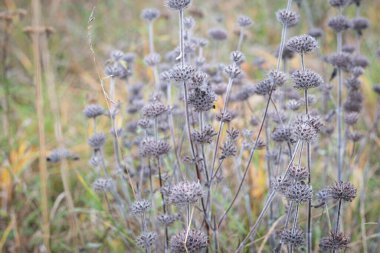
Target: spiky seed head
335, 241
177, 4
316, 32
323, 195
237, 57
277, 77
360, 61
306, 79
225, 117
144, 123
306, 128
198, 79
287, 18
185, 193
167, 219
298, 172
152, 59
59, 154
188, 23
354, 136
202, 99
218, 34
280, 184
343, 191
264, 87
140, 206
293, 104
113, 70
232, 71
150, 147
146, 239
150, 14
359, 24
339, 23
339, 3
340, 60
116, 55
179, 73
188, 242
299, 192
351, 118
93, 111
302, 44
204, 136
244, 21
228, 149
294, 237
97, 141
154, 109
103, 185
282, 134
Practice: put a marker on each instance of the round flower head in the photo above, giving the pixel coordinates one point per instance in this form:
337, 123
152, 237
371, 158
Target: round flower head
140, 206
343, 191
146, 239
282, 134
154, 109
198, 79
244, 21
287, 17
340, 60
150, 14
316, 32
278, 78
179, 73
149, 147
217, 34
93, 111
177, 4
302, 44
152, 59
167, 219
185, 193
307, 128
359, 24
339, 3
232, 71
299, 192
306, 79
264, 87
294, 237
335, 241
204, 136
188, 242
202, 99
103, 185
298, 172
97, 141
59, 154
280, 184
339, 23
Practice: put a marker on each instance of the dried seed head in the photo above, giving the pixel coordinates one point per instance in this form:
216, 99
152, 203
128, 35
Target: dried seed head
154, 109
360, 61
306, 79
323, 196
202, 99
343, 191
97, 141
237, 57
357, 71
150, 14
335, 241
316, 32
280, 184
299, 192
139, 207
146, 239
93, 111
264, 87
177, 4
244, 93
298, 172
359, 24
287, 17
226, 116
306, 128
152, 60
116, 55
59, 154
188, 242
232, 71
198, 79
354, 136
282, 134
103, 185
244, 21
167, 219
339, 3
205, 136
302, 44
293, 104
179, 73
287, 54
278, 78
340, 60
144, 123
149, 147
185, 193
218, 34
228, 149
339, 23
348, 49
188, 23
351, 118
294, 237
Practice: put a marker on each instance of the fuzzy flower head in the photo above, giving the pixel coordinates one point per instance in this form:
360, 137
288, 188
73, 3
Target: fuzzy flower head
192, 242
339, 23
185, 193
343, 191
179, 73
244, 21
150, 147
140, 206
177, 4
154, 109
287, 18
335, 241
294, 237
302, 44
93, 111
306, 79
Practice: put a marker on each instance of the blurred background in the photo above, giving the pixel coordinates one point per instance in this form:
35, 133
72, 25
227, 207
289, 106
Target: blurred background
46, 43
